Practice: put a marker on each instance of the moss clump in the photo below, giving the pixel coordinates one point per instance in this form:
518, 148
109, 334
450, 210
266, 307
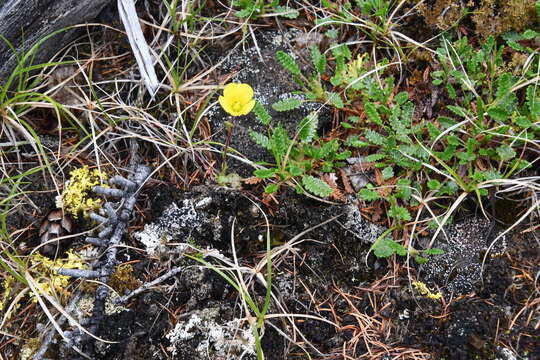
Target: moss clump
490, 17
496, 17
123, 279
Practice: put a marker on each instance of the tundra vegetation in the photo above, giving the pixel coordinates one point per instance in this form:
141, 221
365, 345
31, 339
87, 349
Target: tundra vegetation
311, 180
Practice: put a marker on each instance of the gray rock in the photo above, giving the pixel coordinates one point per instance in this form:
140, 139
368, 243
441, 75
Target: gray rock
25, 22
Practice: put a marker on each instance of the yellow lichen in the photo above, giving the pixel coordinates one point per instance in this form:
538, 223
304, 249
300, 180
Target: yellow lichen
122, 279
29, 348
45, 276
7, 284
237, 99
76, 198
425, 291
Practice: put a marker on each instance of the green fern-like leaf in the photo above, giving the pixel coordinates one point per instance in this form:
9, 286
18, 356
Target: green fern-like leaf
532, 101
307, 129
260, 139
458, 110
335, 100
375, 138
261, 114
287, 104
316, 186
388, 172
246, 12
287, 12
318, 59
368, 194
279, 142
264, 173
376, 157
328, 148
504, 85
288, 62
372, 114
399, 213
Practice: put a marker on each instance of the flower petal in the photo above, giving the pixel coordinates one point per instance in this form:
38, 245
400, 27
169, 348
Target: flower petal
240, 92
230, 90
248, 107
226, 105
245, 93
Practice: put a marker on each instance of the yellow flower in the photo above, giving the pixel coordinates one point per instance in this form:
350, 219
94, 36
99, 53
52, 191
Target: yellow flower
237, 99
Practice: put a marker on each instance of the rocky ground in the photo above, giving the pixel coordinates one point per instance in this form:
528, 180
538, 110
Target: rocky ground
330, 296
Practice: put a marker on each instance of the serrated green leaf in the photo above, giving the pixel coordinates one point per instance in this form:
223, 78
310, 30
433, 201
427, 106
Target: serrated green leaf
398, 248
245, 13
498, 114
401, 97
458, 110
307, 129
328, 148
375, 138
457, 74
399, 213
262, 115
446, 122
532, 101
316, 186
529, 34
452, 140
404, 190
335, 100
260, 139
318, 59
504, 84
287, 12
433, 131
368, 194
288, 62
505, 152
343, 155
372, 113
279, 142
433, 184
295, 170
264, 173
287, 104
342, 51
520, 164
388, 172
523, 122
465, 157
354, 141
271, 188
376, 157
382, 249
451, 91
386, 247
